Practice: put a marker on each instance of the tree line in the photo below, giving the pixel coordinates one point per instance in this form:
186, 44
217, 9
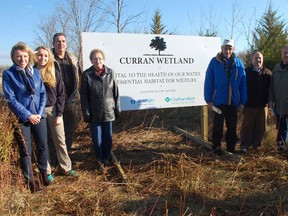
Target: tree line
73, 17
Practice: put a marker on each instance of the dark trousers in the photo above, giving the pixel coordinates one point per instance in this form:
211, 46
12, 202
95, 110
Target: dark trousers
70, 119
253, 127
229, 114
282, 121
101, 134
23, 136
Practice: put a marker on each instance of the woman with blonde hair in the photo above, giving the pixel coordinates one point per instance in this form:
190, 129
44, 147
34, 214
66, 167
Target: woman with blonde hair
26, 96
55, 92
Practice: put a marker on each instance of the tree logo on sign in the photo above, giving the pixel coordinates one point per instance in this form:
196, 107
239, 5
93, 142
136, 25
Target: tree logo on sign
158, 43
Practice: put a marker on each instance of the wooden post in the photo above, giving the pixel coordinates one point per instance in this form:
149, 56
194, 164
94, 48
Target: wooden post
202, 142
119, 168
204, 123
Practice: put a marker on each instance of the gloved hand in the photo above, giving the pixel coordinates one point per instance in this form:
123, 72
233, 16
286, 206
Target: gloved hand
117, 113
87, 118
210, 106
270, 104
241, 108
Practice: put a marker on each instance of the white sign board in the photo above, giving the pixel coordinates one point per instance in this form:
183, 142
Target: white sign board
155, 71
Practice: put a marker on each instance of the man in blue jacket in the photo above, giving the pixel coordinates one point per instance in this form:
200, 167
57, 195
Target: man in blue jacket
225, 92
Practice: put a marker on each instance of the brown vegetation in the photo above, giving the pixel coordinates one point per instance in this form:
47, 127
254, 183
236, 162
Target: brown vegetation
167, 175
2, 68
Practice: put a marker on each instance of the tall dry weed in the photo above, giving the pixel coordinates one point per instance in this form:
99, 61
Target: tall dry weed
13, 199
6, 137
6, 134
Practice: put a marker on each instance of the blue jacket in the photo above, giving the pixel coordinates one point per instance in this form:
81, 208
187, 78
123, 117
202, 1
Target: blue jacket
20, 100
217, 87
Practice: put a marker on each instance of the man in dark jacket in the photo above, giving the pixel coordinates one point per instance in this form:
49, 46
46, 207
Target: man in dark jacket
69, 71
278, 97
255, 111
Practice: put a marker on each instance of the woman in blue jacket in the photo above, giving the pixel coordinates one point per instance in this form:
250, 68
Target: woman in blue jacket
26, 97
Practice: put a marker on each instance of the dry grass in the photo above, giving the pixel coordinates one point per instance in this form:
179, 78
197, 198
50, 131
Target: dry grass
0, 82
167, 175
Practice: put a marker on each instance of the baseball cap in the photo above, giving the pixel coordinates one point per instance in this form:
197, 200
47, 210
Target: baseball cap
228, 42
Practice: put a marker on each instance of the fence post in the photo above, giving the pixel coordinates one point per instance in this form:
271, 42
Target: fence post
204, 123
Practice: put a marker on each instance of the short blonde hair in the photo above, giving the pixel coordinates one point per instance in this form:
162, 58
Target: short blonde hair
94, 51
23, 47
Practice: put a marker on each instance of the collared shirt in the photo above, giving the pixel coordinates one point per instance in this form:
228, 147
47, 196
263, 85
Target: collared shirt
100, 72
284, 66
66, 71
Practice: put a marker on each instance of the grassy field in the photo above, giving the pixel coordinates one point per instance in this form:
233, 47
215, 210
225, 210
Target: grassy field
167, 174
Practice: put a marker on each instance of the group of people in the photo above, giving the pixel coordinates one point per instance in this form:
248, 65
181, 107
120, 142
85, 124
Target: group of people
42, 90
230, 88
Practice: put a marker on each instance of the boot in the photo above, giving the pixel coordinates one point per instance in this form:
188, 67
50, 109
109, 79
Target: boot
33, 186
45, 179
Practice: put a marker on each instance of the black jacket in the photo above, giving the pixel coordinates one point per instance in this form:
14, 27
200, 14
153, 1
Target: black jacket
56, 96
99, 96
257, 87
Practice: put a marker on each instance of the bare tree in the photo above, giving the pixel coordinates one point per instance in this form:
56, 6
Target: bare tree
248, 28
233, 22
117, 15
45, 29
71, 17
209, 29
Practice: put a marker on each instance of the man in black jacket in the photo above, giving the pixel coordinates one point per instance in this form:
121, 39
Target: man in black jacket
255, 110
69, 71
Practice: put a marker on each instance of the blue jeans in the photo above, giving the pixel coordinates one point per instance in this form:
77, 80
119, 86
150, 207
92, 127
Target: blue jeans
24, 141
282, 121
101, 134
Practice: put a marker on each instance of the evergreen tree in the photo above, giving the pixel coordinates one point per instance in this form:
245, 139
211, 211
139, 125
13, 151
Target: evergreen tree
269, 37
157, 27
208, 33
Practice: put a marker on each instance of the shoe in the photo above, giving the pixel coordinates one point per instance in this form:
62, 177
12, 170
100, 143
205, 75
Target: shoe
33, 187
281, 147
217, 151
45, 179
256, 148
71, 173
231, 151
50, 177
107, 162
244, 150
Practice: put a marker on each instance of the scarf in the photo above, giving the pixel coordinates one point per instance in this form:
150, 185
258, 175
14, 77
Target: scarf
228, 67
27, 74
100, 72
